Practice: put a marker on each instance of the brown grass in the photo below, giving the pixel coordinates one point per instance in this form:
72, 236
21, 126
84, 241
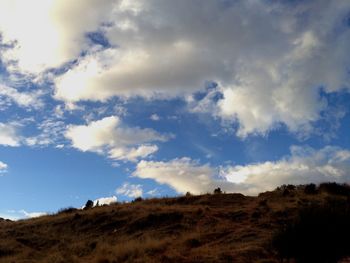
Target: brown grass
206, 228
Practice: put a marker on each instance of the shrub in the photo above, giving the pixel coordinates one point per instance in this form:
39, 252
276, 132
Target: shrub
336, 189
310, 189
286, 187
319, 234
89, 204
263, 202
137, 199
67, 210
217, 191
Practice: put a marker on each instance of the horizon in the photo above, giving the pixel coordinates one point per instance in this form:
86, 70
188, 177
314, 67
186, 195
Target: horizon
116, 99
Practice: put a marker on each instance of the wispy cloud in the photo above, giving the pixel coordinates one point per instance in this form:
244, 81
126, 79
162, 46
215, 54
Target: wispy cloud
21, 98
9, 134
3, 167
130, 190
155, 117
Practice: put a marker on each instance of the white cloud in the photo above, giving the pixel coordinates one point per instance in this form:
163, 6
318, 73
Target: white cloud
9, 134
3, 167
130, 190
109, 136
23, 99
47, 34
132, 154
304, 165
153, 192
154, 117
269, 62
269, 59
106, 200
183, 175
32, 214
51, 132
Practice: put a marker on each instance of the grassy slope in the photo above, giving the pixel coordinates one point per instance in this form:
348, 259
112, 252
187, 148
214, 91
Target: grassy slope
207, 228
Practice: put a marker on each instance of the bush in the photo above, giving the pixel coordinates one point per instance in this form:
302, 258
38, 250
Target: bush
89, 204
137, 199
310, 189
218, 191
320, 234
67, 210
336, 189
289, 187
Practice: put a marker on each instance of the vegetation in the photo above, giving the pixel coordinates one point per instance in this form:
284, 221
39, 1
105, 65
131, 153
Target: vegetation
89, 204
274, 226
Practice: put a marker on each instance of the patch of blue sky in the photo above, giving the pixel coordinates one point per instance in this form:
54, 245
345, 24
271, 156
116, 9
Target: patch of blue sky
98, 38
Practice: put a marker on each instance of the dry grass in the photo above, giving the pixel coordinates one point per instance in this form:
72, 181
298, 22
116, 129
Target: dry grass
207, 228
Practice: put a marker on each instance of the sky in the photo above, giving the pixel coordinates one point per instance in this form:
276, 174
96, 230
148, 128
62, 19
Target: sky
110, 100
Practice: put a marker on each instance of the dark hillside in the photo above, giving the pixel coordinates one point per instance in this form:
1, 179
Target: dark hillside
206, 228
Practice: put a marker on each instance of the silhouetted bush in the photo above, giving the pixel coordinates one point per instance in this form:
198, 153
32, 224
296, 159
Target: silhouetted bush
67, 210
286, 192
4, 252
217, 191
263, 202
188, 194
310, 189
288, 187
335, 189
137, 199
319, 234
89, 204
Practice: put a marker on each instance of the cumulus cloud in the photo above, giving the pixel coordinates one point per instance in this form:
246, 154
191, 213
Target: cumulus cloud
109, 136
270, 59
45, 34
130, 190
105, 200
304, 165
3, 167
183, 175
9, 134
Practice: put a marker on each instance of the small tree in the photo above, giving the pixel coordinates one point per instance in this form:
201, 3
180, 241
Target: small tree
218, 191
89, 204
137, 199
310, 189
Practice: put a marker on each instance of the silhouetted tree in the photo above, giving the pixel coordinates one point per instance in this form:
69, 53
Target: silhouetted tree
310, 189
137, 199
89, 204
335, 189
218, 191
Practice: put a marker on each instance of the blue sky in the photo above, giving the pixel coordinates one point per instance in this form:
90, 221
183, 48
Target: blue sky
157, 98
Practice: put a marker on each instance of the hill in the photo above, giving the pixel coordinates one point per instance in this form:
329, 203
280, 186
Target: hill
205, 228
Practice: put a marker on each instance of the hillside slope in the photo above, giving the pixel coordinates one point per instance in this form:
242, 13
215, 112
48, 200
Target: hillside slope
206, 228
